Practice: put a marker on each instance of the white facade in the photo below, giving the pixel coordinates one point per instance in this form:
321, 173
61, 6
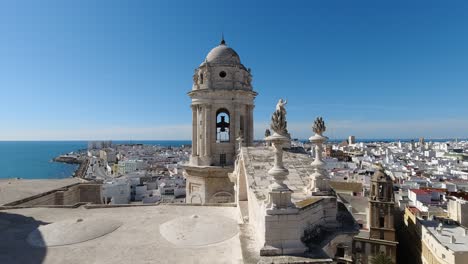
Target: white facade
128, 166
458, 210
116, 192
446, 244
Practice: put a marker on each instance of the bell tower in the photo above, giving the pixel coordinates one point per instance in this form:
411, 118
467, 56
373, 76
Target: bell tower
222, 111
381, 207
380, 240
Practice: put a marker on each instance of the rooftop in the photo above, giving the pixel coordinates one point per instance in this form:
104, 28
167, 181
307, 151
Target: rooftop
461, 240
420, 191
262, 159
142, 234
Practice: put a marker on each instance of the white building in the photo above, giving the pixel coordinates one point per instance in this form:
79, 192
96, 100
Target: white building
443, 243
116, 192
458, 210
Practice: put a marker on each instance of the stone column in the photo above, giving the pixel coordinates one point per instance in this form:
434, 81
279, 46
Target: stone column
251, 125
208, 129
194, 130
199, 131
234, 123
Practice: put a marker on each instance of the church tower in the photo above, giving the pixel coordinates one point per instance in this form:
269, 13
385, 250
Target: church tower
381, 207
381, 237
222, 111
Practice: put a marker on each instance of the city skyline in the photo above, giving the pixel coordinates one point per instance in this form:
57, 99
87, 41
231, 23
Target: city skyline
118, 70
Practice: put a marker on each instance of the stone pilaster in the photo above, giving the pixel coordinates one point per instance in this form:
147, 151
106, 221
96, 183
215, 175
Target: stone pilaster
194, 130
199, 131
251, 125
208, 129
233, 123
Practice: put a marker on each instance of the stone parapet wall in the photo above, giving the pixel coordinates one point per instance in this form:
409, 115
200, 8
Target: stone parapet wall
66, 196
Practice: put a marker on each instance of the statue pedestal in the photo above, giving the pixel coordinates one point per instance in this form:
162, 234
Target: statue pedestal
279, 196
318, 183
279, 202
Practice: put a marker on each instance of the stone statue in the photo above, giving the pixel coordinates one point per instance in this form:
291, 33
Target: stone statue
249, 79
319, 126
267, 132
195, 79
278, 119
280, 106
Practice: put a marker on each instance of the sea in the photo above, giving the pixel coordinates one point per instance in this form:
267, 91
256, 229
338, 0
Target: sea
33, 159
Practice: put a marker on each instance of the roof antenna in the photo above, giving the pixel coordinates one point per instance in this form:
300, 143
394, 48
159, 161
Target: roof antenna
222, 39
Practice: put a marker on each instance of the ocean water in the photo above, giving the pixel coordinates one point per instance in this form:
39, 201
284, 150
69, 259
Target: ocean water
33, 159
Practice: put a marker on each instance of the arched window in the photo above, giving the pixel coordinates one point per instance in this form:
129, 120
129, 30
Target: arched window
222, 125
381, 191
201, 78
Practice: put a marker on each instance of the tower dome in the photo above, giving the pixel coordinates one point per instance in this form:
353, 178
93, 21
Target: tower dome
222, 54
222, 70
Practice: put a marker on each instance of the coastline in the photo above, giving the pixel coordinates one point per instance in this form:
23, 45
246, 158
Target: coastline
72, 159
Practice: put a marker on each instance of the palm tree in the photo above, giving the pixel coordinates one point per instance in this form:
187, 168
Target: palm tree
381, 259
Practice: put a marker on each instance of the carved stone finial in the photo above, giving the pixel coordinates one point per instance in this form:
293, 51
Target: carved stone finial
319, 126
278, 119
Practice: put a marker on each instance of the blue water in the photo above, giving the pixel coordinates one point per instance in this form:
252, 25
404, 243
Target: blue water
33, 159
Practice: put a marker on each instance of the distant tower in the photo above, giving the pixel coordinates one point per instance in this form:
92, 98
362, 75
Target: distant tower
222, 110
351, 140
421, 142
381, 236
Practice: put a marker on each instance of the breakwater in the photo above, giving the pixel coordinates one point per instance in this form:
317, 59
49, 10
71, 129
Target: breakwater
83, 162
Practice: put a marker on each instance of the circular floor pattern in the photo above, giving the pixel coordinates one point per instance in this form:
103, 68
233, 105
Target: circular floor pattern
71, 231
198, 230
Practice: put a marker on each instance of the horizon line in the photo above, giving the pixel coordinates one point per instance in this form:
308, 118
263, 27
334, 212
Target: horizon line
258, 139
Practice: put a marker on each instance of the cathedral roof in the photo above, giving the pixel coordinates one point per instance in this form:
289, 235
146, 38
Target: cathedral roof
222, 54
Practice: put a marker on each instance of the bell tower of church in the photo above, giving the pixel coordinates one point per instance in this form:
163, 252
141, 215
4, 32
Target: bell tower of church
381, 207
381, 236
222, 111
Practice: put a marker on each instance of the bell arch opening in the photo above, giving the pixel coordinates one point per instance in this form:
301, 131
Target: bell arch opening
222, 125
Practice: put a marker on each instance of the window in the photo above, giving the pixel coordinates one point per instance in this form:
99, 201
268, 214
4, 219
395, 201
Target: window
222, 74
382, 221
201, 78
222, 159
222, 125
381, 191
340, 252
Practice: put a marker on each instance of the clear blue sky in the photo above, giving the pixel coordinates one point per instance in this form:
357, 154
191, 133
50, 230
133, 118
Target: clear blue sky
121, 69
